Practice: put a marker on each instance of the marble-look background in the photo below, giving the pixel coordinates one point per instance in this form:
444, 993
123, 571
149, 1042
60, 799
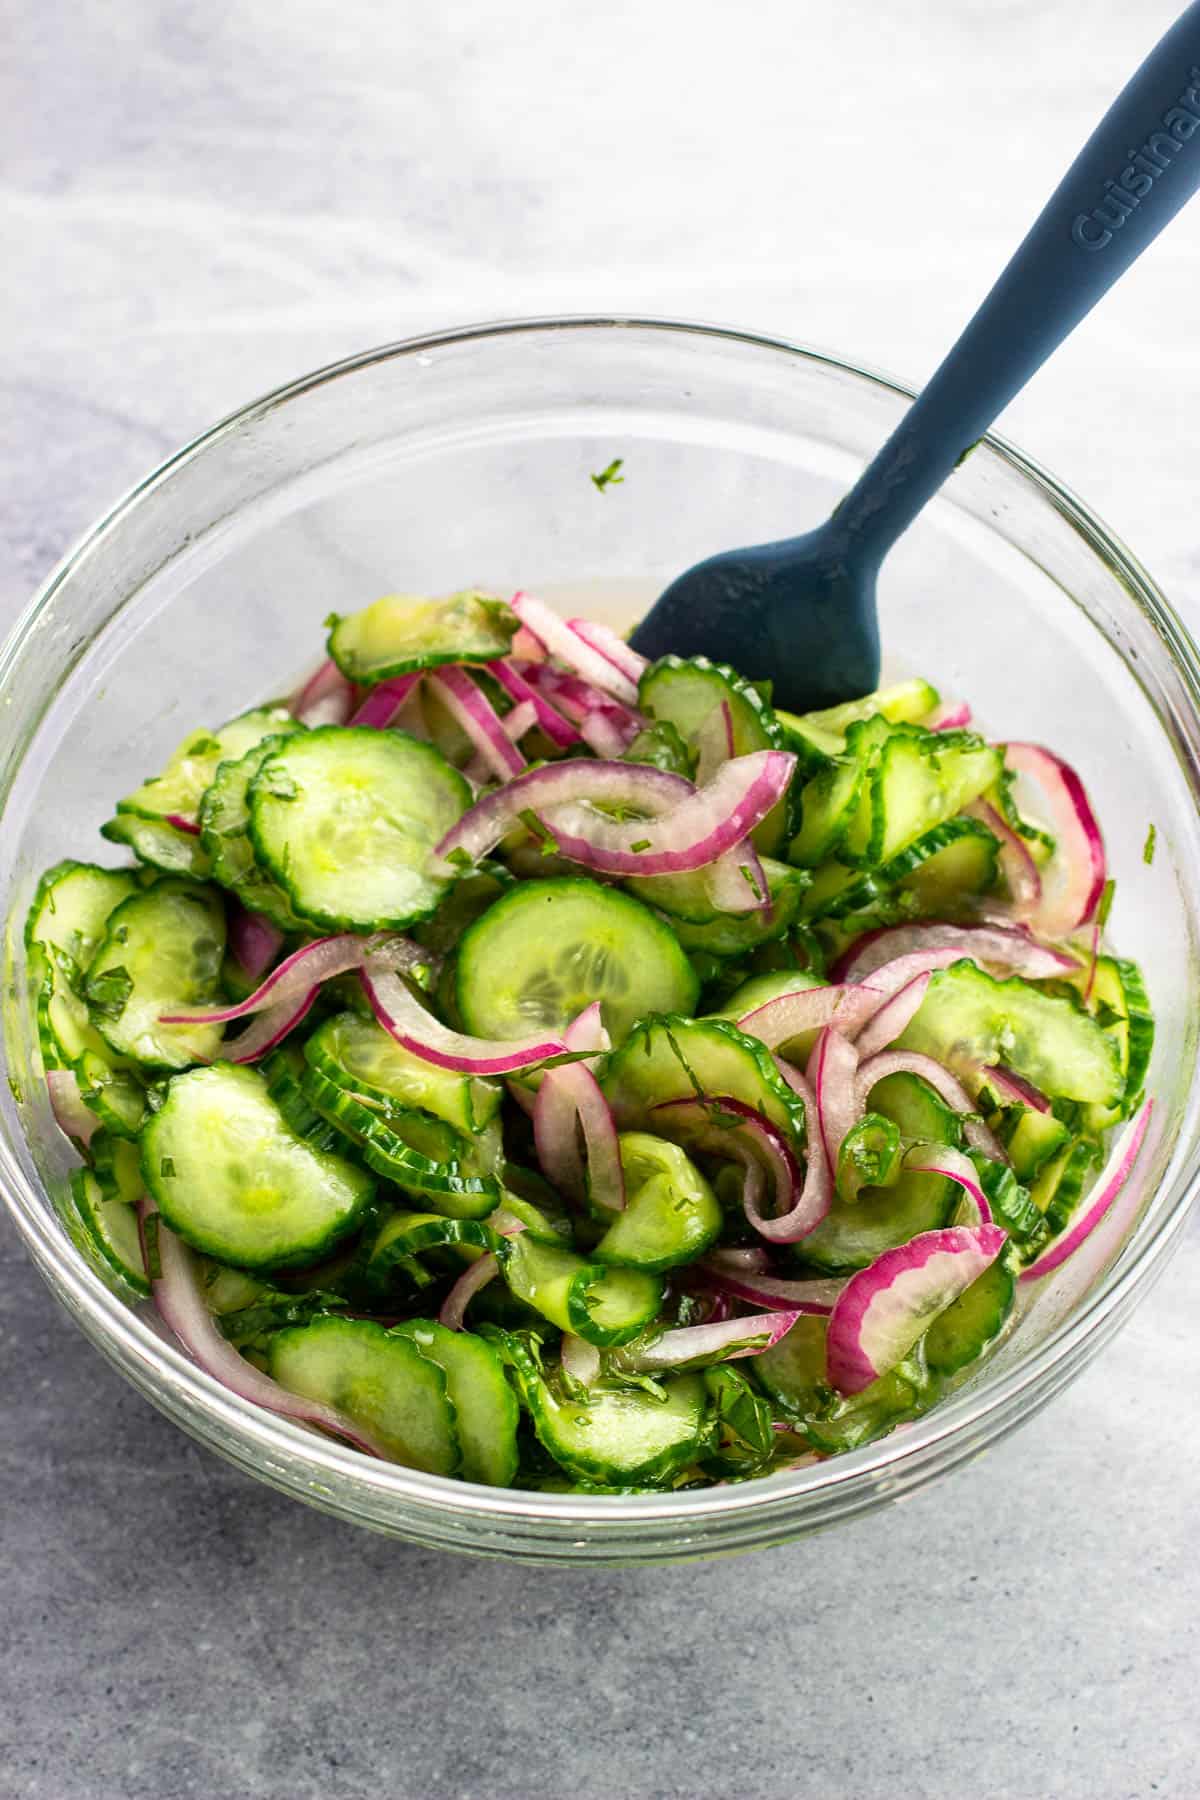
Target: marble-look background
199, 201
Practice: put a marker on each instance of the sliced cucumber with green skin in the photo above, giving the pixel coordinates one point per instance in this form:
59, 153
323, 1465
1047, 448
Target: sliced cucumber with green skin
1058, 1189
378, 1379
604, 1306
117, 1166
854, 1234
404, 1237
1031, 1139
820, 736
548, 949
948, 882
347, 819
64, 1026
284, 1070
161, 954
1120, 1002
838, 891
903, 1393
402, 632
676, 1059
618, 1435
485, 1407
1012, 1204
739, 934
410, 1149
467, 901
158, 845
112, 1225
961, 1334
758, 991
869, 1156
192, 765
830, 801
225, 836
530, 1198
116, 1095
671, 1214
358, 1054
65, 923
683, 692
233, 1180
967, 1019
919, 780
793, 1372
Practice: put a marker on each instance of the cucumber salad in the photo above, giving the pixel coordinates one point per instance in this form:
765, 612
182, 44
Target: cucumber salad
530, 1064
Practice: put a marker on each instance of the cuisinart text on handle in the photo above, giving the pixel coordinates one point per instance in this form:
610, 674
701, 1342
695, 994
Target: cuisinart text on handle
1092, 230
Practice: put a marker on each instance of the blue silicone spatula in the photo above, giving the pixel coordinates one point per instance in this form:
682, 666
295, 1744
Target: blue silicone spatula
802, 612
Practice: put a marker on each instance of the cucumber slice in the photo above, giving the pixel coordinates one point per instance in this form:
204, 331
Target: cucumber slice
422, 1155
485, 1407
65, 923
1120, 1002
116, 1096
683, 691
869, 1156
738, 934
854, 1233
112, 1225
380, 1380
401, 632
947, 881
1031, 1139
618, 1435
676, 1059
346, 819
161, 952
962, 1333
117, 1166
405, 1237
1010, 1201
838, 891
919, 780
830, 801
792, 1371
819, 736
548, 949
1058, 1189
160, 846
671, 1214
225, 837
902, 1394
359, 1055
233, 1180
967, 1019
192, 765
605, 1306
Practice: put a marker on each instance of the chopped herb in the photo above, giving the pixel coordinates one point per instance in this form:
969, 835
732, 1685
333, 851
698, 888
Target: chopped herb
331, 619
536, 829
166, 1166
14, 1088
281, 786
108, 993
460, 858
751, 880
203, 744
150, 1243
642, 844
1149, 846
610, 477
1105, 906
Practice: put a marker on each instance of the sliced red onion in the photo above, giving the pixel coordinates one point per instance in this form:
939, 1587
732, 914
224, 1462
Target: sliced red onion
522, 718
737, 881
527, 646
603, 736
810, 1009
815, 1297
912, 1062
579, 1359
326, 698
1100, 1203
183, 822
67, 1105
1012, 1089
940, 1159
692, 1346
254, 942
893, 1016
831, 1072
562, 641
385, 700
1000, 946
180, 1303
303, 971
569, 1099
614, 649
586, 1031
762, 1150
740, 1261
1073, 880
471, 709
269, 1028
714, 742
583, 703
1016, 861
700, 829
401, 1014
636, 787
559, 730
951, 715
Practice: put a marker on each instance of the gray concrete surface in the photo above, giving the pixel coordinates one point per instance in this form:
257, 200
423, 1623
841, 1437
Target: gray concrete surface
199, 201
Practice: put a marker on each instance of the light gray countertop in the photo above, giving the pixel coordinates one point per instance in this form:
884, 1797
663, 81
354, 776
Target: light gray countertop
200, 201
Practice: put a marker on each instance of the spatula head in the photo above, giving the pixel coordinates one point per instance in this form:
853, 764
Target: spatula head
794, 613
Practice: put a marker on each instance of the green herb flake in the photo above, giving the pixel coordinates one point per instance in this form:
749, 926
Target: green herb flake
752, 881
460, 858
1148, 847
108, 993
642, 844
166, 1167
610, 477
1105, 907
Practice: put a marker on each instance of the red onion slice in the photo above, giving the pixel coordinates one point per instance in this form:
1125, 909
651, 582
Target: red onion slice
831, 1072
940, 1159
569, 1100
998, 946
419, 1032
180, 1302
269, 1028
912, 1062
381, 705
304, 970
1073, 880
326, 698
740, 1261
893, 1016
471, 709
183, 822
809, 1009
254, 942
604, 736
1012, 1089
637, 787
567, 645
1101, 1202
559, 730
1016, 861
614, 649
816, 1297
521, 719
763, 1151
737, 881
66, 1103
951, 715
579, 1360
691, 1346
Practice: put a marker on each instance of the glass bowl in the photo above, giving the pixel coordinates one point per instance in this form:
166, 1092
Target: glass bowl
466, 458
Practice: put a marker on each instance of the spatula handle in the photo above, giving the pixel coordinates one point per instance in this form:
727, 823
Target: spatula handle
1136, 170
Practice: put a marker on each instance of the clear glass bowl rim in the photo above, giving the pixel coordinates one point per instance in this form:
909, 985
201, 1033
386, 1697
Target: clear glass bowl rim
995, 1402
